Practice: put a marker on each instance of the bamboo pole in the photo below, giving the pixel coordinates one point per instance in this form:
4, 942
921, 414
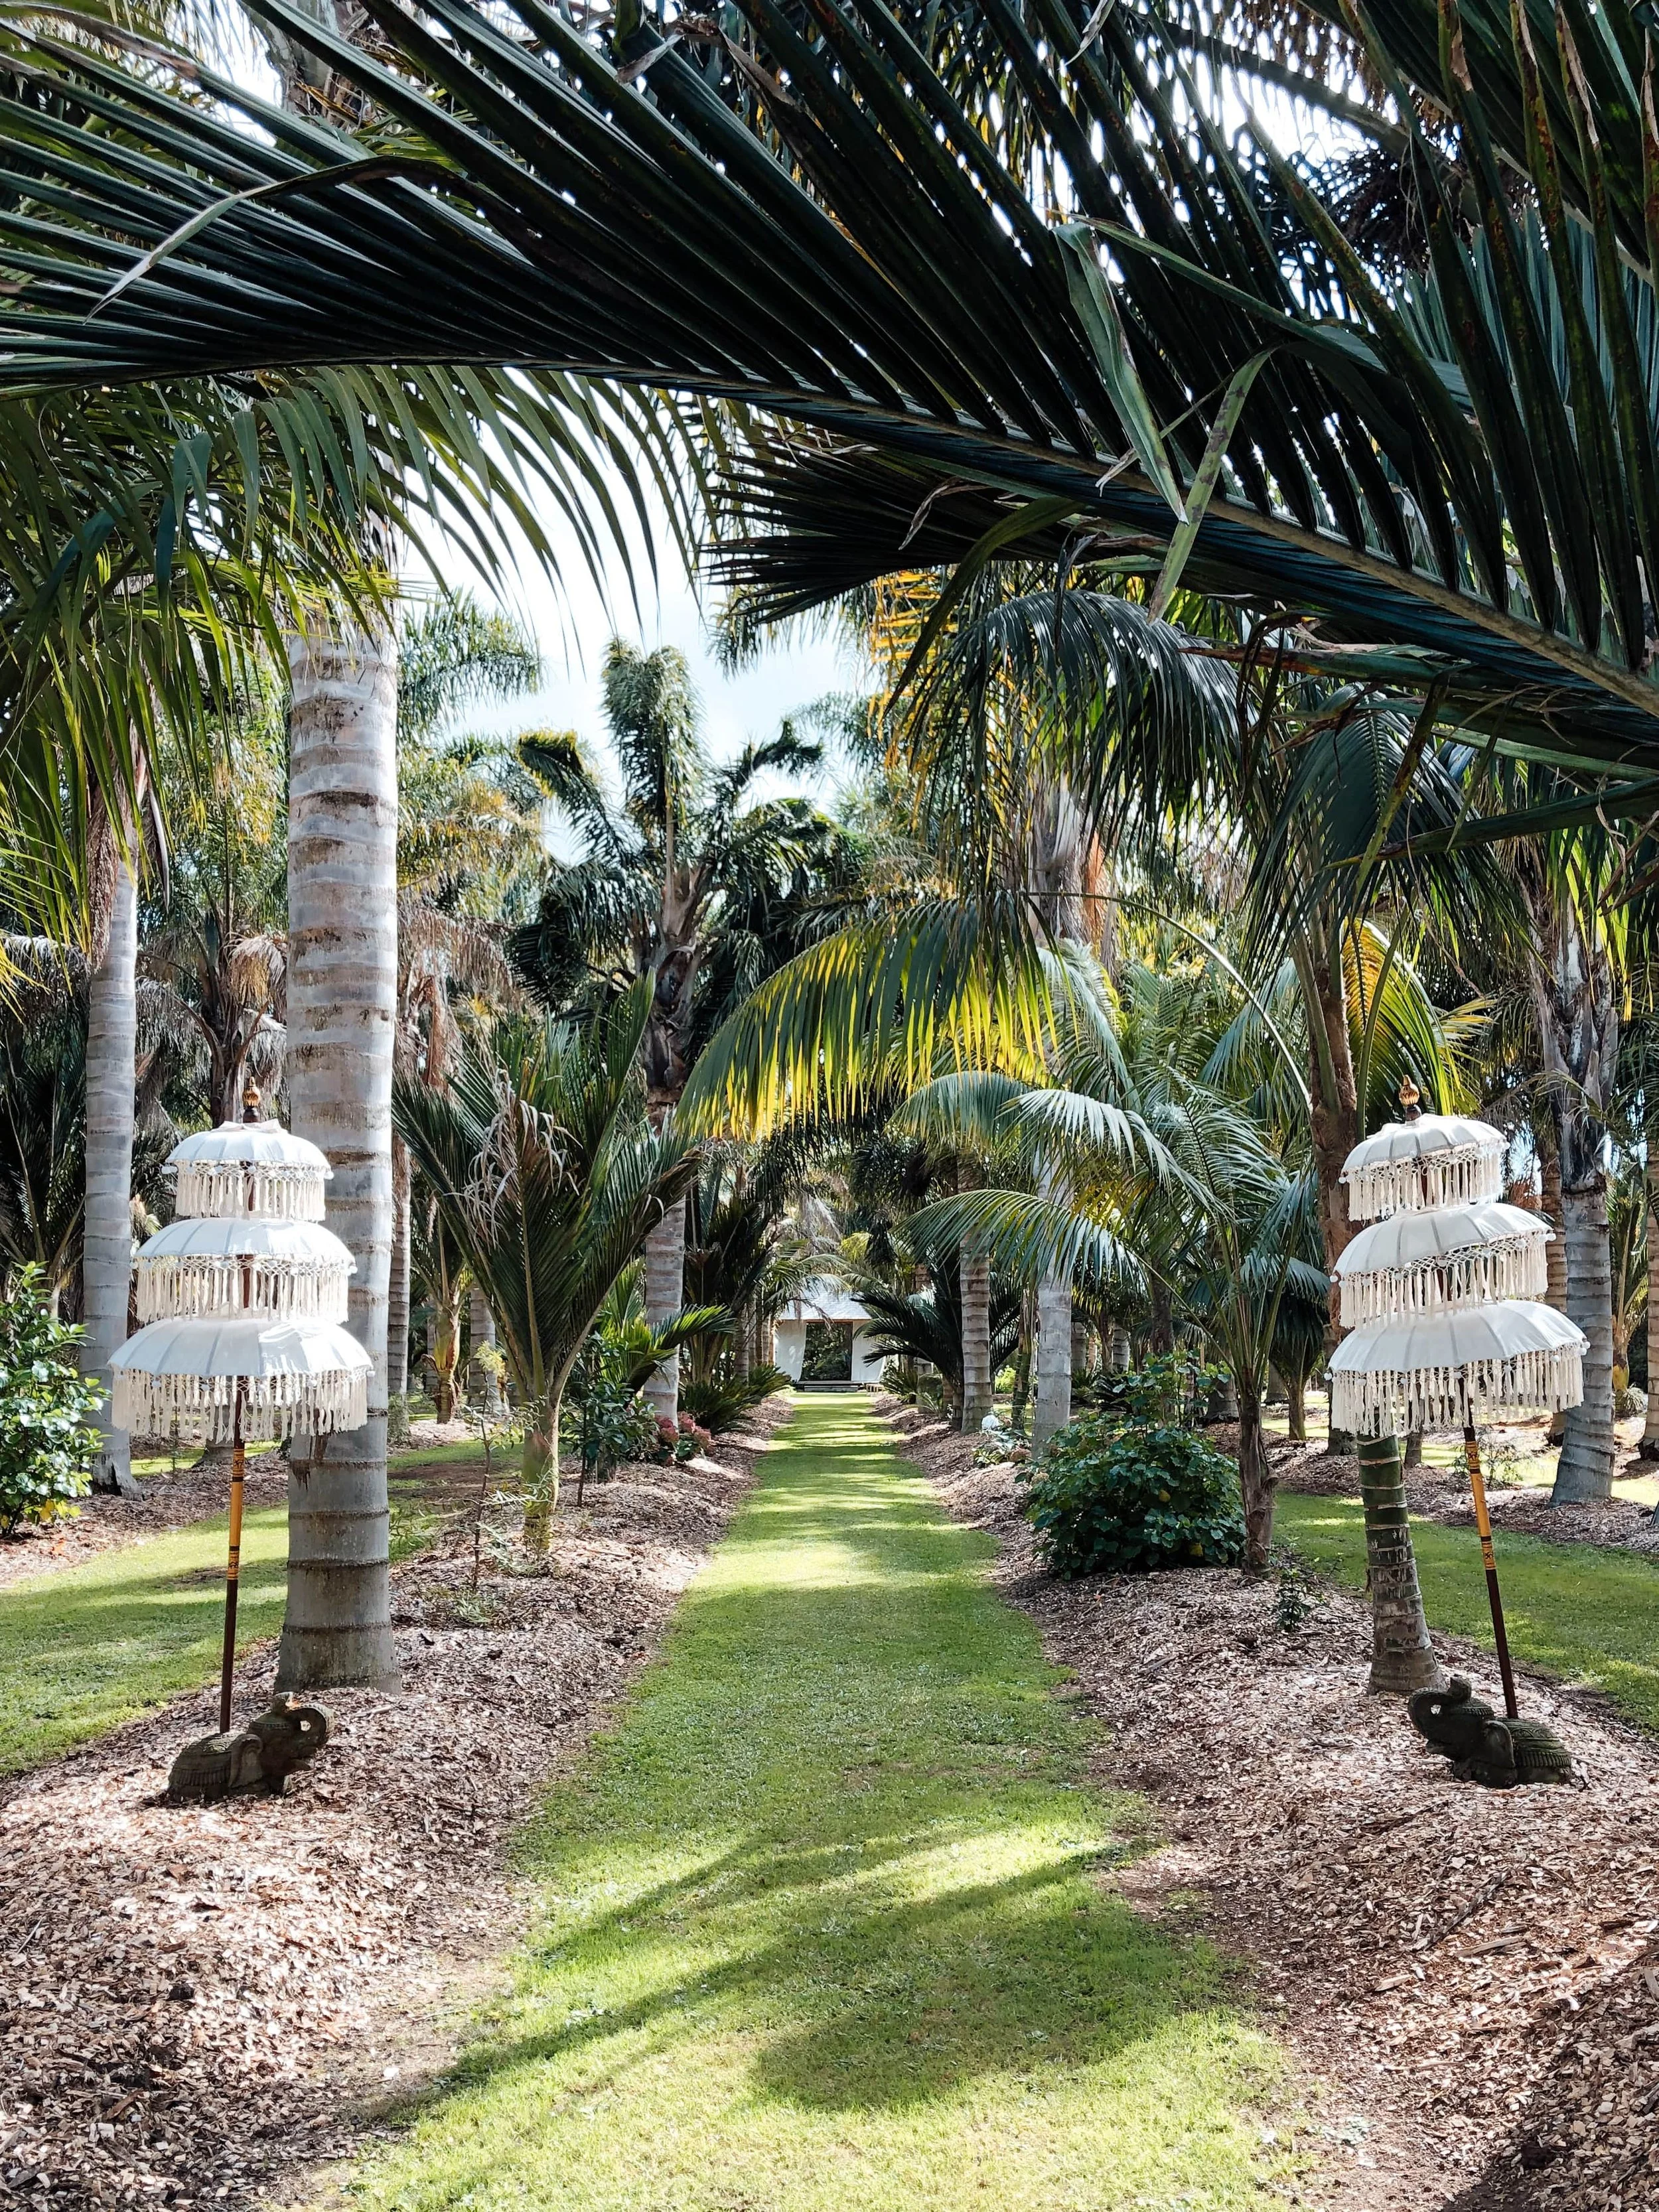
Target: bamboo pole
1483, 1526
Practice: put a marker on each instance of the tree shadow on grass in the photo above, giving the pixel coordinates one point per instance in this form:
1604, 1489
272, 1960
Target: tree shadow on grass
855, 1997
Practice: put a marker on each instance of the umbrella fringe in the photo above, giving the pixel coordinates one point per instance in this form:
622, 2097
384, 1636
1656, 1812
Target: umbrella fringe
1463, 1175
202, 1286
1392, 1401
1515, 1267
234, 1189
202, 1409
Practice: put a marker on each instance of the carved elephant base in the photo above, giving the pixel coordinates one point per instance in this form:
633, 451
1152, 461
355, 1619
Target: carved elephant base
1499, 1755
261, 1756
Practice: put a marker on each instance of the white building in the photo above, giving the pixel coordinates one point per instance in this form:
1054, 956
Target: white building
826, 1301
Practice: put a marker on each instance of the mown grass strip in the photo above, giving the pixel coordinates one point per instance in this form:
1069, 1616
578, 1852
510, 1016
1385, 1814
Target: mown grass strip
1583, 1613
826, 1921
84, 1649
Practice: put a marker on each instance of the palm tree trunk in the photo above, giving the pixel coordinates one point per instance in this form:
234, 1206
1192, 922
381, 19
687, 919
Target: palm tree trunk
1296, 1399
1257, 1479
481, 1329
1649, 1446
1051, 1403
1402, 1658
976, 1378
541, 1479
107, 1231
1336, 1121
396, 1316
665, 1294
1577, 1018
742, 1343
1584, 1470
1051, 1407
1555, 1252
341, 1015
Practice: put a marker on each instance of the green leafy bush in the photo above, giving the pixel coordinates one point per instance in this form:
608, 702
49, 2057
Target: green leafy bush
1109, 1499
46, 1438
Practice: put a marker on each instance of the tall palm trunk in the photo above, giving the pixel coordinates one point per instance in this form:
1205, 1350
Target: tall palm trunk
1051, 1406
1578, 1016
665, 1294
742, 1343
1589, 1447
1051, 1403
107, 1235
396, 1315
1555, 1252
342, 1017
976, 1377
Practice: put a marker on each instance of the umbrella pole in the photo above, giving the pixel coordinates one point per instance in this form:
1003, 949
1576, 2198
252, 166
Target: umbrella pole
1483, 1526
233, 1570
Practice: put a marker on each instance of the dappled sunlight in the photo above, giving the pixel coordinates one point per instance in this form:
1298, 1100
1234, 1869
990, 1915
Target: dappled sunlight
829, 1919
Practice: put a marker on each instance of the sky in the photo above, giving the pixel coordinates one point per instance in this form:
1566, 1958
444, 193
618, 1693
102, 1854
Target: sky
572, 621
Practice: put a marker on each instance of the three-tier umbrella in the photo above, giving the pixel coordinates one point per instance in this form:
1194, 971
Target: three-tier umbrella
243, 1296
1442, 1296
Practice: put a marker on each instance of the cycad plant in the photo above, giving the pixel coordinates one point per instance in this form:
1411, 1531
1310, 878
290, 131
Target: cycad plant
547, 1172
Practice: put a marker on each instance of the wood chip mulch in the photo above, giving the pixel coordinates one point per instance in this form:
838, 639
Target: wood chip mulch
1470, 1977
196, 2000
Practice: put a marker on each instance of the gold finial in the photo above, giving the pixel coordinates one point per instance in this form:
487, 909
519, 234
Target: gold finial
251, 1108
1409, 1094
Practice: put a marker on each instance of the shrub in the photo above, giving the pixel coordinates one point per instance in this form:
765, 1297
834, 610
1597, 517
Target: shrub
1108, 1499
46, 1438
719, 1402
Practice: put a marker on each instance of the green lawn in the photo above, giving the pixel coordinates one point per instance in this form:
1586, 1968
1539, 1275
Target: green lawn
824, 1925
89, 1647
1584, 1614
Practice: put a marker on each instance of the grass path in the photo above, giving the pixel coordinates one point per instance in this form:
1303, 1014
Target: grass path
824, 1926
1582, 1613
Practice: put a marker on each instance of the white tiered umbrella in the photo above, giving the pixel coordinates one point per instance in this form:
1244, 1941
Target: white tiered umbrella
1443, 1291
244, 1297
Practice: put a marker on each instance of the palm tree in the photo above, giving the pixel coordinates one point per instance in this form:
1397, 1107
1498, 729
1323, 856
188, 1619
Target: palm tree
1234, 382
219, 940
932, 1324
468, 843
697, 886
547, 1171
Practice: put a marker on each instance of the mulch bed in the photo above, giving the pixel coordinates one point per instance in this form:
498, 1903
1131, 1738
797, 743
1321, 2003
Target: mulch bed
196, 2000
1470, 1977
